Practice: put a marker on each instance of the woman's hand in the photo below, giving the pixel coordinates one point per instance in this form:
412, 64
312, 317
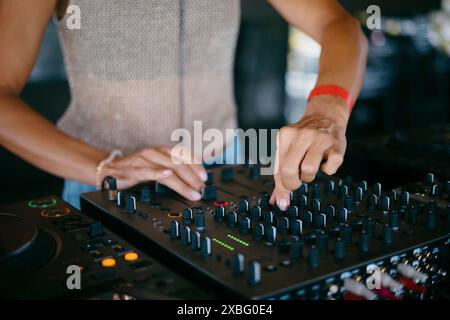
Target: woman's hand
156, 164
301, 147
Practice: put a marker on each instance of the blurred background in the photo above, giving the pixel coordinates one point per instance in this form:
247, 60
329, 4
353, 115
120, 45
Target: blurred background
398, 131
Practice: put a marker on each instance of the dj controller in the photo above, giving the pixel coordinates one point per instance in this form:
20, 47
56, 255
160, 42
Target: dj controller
45, 243
339, 238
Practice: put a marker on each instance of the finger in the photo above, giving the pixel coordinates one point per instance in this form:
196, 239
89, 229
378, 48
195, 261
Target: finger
280, 195
177, 185
133, 176
311, 163
184, 172
334, 160
181, 154
291, 164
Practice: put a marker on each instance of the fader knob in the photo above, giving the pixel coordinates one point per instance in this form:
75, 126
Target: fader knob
187, 216
237, 264
364, 242
297, 249
219, 214
175, 229
314, 257
297, 228
388, 234
254, 273
339, 249
186, 236
205, 246
131, 204
120, 200
244, 225
145, 194
199, 221
226, 175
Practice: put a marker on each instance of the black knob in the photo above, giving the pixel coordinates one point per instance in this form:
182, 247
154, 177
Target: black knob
376, 189
195, 240
297, 228
131, 204
388, 234
219, 214
226, 175
264, 200
232, 219
270, 234
315, 192
404, 198
209, 192
284, 246
363, 185
186, 235
95, 230
346, 234
254, 273
431, 220
307, 217
370, 229
343, 191
330, 212
320, 220
314, 257
187, 216
412, 214
393, 220
237, 264
315, 206
283, 225
322, 240
269, 218
393, 195
244, 225
364, 242
145, 194
174, 229
359, 194
348, 202
297, 249
303, 190
385, 203
243, 206
205, 246
429, 178
434, 190
330, 187
256, 213
373, 201
339, 249
302, 201
160, 188
258, 231
120, 200
293, 212
255, 172
199, 220
343, 215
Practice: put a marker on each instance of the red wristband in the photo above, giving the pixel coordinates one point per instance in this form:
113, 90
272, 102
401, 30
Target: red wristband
333, 90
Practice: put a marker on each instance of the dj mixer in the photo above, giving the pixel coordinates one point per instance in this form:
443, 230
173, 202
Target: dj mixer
339, 238
45, 244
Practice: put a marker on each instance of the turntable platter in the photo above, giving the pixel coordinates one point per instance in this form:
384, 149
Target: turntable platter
16, 235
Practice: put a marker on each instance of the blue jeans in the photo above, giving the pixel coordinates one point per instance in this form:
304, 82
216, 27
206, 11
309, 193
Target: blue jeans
73, 189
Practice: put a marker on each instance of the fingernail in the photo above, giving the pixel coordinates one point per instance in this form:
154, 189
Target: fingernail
195, 196
282, 204
203, 176
166, 173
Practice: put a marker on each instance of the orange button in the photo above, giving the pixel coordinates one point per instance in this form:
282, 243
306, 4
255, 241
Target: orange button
130, 256
108, 263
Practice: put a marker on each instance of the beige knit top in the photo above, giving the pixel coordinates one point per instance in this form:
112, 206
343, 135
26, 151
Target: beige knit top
138, 69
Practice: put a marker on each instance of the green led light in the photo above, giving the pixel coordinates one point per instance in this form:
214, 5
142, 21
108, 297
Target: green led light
241, 242
223, 244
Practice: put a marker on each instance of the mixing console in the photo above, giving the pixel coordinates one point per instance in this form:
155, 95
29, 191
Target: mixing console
337, 238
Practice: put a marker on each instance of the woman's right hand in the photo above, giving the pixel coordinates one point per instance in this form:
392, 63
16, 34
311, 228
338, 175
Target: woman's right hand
156, 164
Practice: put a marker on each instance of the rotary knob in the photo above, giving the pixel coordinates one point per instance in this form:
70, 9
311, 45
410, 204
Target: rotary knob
270, 234
237, 264
131, 204
343, 215
283, 225
232, 219
359, 194
314, 257
385, 203
322, 240
145, 194
258, 231
293, 212
200, 221
315, 205
297, 228
269, 218
254, 273
315, 192
187, 216
339, 249
376, 189
205, 246
364, 242
244, 207
393, 220
120, 200
297, 249
348, 203
388, 234
195, 240
330, 187
346, 231
219, 214
244, 225
186, 236
175, 229
320, 221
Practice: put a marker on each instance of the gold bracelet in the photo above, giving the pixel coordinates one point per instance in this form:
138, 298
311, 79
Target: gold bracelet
111, 157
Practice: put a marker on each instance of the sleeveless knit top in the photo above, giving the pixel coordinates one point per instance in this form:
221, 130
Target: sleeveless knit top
138, 69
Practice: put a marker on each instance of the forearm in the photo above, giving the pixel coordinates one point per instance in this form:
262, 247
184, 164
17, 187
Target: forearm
343, 56
36, 140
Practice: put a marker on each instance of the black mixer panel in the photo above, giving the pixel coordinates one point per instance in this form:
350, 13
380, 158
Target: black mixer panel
43, 242
337, 236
